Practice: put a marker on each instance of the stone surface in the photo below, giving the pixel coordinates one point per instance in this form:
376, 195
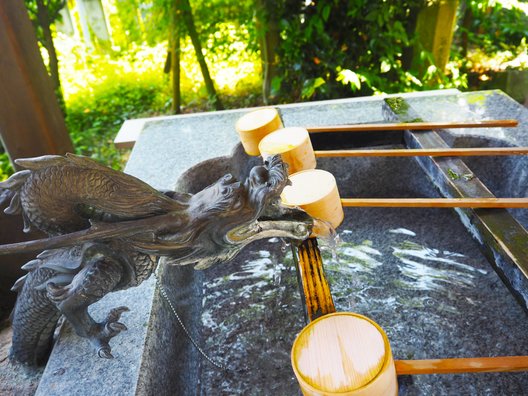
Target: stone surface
75, 369
15, 379
416, 272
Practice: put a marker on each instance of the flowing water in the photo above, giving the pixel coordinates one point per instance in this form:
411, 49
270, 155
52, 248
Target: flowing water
432, 302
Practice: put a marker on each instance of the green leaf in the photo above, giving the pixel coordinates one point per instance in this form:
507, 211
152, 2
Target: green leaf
385, 66
326, 12
347, 76
452, 174
310, 87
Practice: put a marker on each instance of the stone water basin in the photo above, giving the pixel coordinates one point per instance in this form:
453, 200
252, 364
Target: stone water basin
417, 272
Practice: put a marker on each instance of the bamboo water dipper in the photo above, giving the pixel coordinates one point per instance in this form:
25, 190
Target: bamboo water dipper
294, 146
315, 191
344, 354
253, 126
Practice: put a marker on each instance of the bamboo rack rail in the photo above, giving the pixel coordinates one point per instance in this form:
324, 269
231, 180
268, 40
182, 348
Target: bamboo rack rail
462, 365
413, 126
436, 202
436, 152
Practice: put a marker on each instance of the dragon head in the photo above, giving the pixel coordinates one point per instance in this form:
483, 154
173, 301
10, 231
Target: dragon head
229, 214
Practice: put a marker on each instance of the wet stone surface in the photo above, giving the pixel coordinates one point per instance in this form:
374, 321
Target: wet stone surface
416, 272
251, 314
433, 293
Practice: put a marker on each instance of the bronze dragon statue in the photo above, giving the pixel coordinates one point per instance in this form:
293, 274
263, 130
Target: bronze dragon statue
106, 230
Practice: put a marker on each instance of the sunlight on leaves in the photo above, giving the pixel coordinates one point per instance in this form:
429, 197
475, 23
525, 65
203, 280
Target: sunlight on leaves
347, 76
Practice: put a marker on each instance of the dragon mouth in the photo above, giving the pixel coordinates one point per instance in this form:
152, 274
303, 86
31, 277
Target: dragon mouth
290, 223
294, 225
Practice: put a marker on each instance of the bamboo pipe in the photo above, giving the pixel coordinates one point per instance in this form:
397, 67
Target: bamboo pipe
462, 365
317, 297
436, 202
436, 152
413, 126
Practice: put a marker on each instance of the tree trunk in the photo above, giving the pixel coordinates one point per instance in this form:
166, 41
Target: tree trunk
191, 28
435, 27
467, 19
268, 34
175, 35
31, 123
53, 65
410, 28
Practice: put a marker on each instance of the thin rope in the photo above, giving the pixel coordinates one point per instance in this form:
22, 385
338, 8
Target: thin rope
165, 296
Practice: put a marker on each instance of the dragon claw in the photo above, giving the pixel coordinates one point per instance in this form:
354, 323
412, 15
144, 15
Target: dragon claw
112, 326
102, 332
105, 353
117, 326
57, 293
115, 313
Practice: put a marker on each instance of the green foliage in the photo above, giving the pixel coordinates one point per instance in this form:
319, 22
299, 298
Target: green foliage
355, 47
123, 92
53, 8
495, 25
127, 21
103, 90
211, 26
6, 169
329, 49
491, 36
94, 121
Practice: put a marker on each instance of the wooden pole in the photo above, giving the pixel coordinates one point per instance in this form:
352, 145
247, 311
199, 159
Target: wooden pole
436, 202
31, 123
317, 297
437, 152
413, 126
462, 365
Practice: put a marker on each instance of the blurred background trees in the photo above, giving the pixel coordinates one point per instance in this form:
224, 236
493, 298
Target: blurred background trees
112, 60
